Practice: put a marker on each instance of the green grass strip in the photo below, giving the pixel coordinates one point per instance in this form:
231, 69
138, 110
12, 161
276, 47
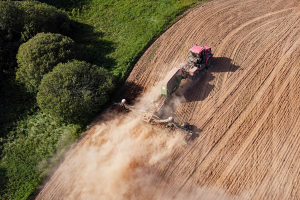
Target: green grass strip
121, 30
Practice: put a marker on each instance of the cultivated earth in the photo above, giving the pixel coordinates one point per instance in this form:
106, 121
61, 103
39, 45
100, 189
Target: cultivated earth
245, 111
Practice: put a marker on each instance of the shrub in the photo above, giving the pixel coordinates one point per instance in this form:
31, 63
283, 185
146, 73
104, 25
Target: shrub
41, 54
28, 151
75, 91
21, 20
27, 18
8, 50
11, 17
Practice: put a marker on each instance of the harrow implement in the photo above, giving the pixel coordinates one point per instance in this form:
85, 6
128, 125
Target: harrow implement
166, 125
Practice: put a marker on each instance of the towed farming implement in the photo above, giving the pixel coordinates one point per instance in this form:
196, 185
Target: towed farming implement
166, 125
199, 59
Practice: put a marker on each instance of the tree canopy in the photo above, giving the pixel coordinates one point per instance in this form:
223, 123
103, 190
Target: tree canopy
41, 54
75, 91
27, 18
22, 20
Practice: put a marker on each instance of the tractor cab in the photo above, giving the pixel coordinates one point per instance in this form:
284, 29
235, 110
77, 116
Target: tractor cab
199, 55
196, 54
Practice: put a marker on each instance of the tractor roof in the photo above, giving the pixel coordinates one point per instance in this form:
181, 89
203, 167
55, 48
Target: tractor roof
196, 49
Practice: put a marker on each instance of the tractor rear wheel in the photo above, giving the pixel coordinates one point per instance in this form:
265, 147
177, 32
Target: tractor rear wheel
208, 63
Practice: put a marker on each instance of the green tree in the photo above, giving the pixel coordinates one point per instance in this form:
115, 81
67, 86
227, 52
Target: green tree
11, 17
27, 18
75, 91
41, 54
22, 20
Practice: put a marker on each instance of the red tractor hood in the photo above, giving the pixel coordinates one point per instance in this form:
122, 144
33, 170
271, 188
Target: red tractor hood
196, 49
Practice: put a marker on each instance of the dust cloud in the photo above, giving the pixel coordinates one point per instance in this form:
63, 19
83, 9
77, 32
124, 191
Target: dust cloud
116, 164
123, 158
146, 102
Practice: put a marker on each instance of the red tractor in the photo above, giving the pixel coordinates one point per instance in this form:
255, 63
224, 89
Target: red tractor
199, 59
200, 56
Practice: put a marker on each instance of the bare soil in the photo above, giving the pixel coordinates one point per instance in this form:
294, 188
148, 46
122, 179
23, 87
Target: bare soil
245, 109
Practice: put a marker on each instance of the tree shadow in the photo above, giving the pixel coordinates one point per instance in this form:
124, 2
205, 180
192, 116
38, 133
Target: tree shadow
96, 48
15, 104
129, 91
3, 180
199, 90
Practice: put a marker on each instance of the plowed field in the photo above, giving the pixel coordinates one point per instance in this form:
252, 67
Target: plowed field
245, 110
